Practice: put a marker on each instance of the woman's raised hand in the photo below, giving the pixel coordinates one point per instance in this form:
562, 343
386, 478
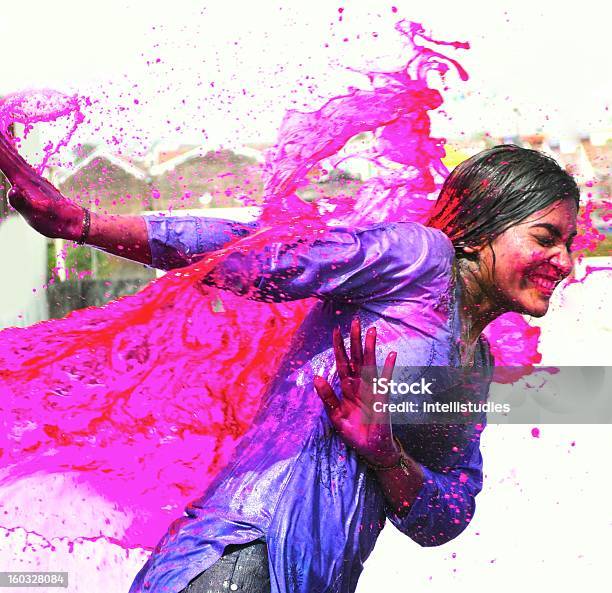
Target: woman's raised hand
36, 199
360, 417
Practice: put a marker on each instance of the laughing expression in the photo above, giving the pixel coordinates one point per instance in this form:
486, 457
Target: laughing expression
531, 258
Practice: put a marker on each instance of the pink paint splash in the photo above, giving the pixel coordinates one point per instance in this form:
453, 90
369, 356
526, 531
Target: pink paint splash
514, 344
33, 107
588, 236
535, 432
144, 399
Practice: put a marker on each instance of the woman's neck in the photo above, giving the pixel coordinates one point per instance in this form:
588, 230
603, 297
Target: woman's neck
477, 305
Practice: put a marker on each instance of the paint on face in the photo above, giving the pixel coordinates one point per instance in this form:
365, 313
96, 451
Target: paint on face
530, 259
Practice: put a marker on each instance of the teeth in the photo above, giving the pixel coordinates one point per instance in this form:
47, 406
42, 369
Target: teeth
543, 283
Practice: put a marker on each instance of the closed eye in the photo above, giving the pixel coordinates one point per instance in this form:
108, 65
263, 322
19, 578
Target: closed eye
553, 234
545, 241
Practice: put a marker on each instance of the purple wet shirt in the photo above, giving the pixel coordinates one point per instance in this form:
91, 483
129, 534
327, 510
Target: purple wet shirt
292, 480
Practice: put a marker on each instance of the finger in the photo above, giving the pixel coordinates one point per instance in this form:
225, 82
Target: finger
351, 388
342, 361
356, 348
369, 371
389, 366
328, 397
19, 172
382, 396
13, 165
16, 197
369, 355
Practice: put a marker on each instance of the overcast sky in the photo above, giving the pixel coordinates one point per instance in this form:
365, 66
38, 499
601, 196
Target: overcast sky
228, 70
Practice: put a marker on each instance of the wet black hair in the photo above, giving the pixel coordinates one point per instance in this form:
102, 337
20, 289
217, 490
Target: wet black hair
496, 189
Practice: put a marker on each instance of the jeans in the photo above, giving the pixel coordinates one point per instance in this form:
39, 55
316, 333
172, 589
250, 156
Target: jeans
243, 567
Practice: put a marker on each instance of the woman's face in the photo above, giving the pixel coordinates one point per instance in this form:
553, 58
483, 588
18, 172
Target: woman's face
531, 258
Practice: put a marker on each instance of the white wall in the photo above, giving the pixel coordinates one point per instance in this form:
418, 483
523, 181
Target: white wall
23, 270
23, 259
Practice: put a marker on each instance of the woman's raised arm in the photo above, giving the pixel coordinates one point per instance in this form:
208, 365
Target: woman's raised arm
345, 264
353, 265
54, 215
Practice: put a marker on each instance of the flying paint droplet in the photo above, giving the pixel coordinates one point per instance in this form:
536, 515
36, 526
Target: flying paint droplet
535, 432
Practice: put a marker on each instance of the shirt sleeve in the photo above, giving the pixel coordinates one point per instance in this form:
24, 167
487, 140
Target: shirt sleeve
446, 502
176, 241
345, 264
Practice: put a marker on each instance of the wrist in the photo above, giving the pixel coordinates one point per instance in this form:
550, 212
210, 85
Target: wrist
77, 226
85, 227
386, 460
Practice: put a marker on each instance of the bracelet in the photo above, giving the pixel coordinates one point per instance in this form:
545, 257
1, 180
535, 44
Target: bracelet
85, 228
399, 464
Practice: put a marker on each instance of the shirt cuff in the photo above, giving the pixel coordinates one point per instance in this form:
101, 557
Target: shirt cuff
174, 240
420, 506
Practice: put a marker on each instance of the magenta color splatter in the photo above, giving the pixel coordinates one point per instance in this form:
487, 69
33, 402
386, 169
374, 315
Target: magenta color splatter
138, 399
146, 414
535, 432
32, 107
514, 343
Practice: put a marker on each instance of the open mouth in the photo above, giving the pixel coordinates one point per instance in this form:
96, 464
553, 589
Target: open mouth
545, 284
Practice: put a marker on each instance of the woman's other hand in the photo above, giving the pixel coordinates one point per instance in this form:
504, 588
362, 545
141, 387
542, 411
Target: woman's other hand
361, 417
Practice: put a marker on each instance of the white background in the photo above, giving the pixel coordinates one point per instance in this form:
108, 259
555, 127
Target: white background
533, 63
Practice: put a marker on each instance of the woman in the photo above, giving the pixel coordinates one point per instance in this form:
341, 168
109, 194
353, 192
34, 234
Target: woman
301, 504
